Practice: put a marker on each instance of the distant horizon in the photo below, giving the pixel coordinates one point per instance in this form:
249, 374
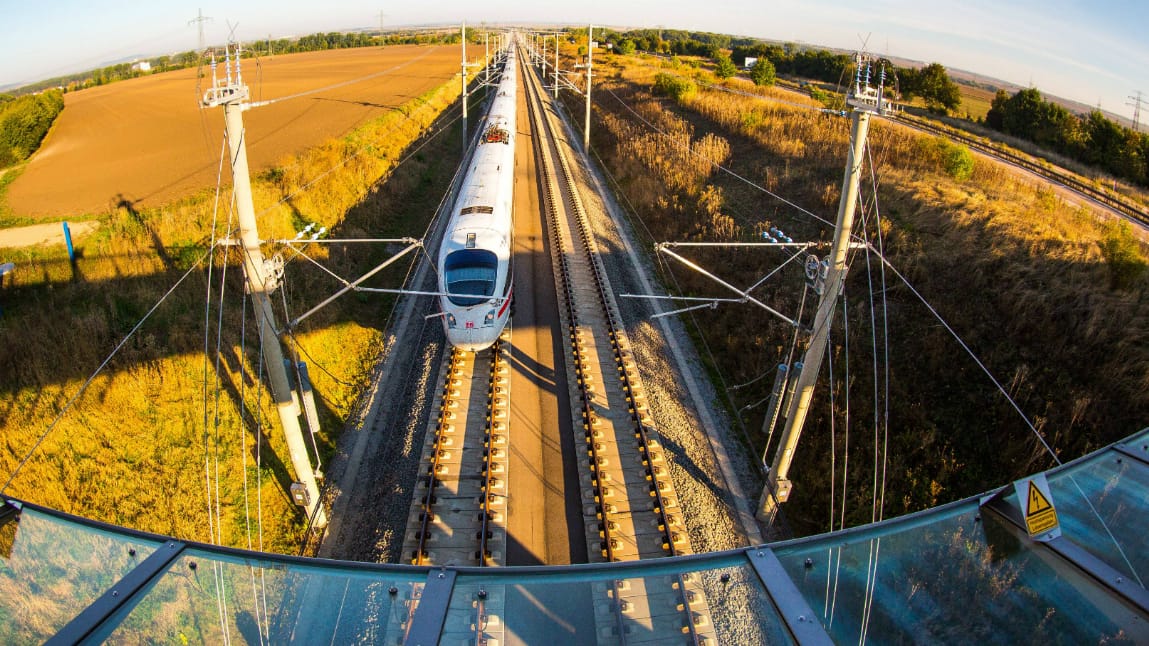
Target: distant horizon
997, 82
1086, 53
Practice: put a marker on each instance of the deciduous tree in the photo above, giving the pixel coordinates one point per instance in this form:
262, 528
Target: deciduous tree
763, 72
934, 85
725, 67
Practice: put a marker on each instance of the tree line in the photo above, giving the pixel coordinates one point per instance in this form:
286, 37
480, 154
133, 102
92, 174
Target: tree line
111, 74
24, 121
932, 83
816, 64
309, 43
1092, 139
675, 42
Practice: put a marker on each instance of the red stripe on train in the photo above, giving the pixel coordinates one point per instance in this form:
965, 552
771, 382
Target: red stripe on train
506, 303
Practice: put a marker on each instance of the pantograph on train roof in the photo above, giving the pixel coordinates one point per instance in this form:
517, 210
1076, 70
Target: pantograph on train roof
496, 135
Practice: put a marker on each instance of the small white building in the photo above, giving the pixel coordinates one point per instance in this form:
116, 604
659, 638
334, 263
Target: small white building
141, 66
750, 61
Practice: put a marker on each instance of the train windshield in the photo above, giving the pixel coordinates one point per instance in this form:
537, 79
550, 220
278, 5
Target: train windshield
470, 276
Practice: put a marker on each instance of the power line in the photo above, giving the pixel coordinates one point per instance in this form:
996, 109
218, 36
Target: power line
1136, 104
200, 19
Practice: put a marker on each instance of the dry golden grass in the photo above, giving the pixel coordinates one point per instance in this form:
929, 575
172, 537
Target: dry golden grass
141, 445
1049, 296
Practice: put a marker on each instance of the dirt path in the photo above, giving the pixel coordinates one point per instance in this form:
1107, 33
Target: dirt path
47, 233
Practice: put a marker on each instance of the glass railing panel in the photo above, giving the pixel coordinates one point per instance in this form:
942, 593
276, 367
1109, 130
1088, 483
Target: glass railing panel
725, 605
961, 577
51, 569
741, 609
209, 598
1116, 528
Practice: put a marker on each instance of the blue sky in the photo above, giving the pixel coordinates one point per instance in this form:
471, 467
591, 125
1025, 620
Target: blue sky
1090, 52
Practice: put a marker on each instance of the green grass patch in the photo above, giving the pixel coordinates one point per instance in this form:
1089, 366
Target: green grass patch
7, 218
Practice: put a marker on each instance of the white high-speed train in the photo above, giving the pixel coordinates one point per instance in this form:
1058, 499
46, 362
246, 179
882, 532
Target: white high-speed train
474, 264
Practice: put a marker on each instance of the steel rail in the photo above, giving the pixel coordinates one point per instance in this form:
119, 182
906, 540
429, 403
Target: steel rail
566, 184
1128, 208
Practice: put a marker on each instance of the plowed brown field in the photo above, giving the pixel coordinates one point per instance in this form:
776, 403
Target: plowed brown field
146, 140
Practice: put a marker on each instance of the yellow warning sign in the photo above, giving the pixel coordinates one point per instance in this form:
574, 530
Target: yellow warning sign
1040, 516
1037, 503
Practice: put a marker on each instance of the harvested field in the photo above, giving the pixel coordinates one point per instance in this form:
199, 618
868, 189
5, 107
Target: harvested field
146, 142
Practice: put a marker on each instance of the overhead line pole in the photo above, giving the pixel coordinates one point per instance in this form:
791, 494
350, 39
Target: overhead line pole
463, 87
233, 96
589, 68
866, 101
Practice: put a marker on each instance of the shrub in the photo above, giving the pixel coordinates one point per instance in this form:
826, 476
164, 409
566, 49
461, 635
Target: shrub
724, 67
831, 100
1123, 256
763, 72
958, 161
955, 159
675, 87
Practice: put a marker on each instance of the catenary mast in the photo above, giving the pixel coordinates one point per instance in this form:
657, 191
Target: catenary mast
866, 101
262, 280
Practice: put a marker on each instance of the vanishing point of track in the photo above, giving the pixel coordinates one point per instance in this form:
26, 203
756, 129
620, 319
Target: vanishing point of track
630, 508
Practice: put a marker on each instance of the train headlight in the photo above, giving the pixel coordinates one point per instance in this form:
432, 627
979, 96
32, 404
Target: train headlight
450, 320
489, 319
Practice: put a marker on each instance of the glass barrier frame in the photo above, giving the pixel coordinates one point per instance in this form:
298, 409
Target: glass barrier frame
781, 606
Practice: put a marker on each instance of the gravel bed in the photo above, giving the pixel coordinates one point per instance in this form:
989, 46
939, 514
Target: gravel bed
712, 518
740, 610
369, 523
713, 521
378, 454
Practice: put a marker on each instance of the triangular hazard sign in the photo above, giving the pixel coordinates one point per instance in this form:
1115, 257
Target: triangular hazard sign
1037, 501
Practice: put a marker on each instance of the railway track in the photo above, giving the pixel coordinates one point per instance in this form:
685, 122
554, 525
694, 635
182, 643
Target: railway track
458, 512
1138, 213
1126, 207
630, 508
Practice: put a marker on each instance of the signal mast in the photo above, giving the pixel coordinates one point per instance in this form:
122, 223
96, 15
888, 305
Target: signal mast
262, 276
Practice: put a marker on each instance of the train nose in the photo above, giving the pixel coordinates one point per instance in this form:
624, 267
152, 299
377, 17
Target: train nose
471, 339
